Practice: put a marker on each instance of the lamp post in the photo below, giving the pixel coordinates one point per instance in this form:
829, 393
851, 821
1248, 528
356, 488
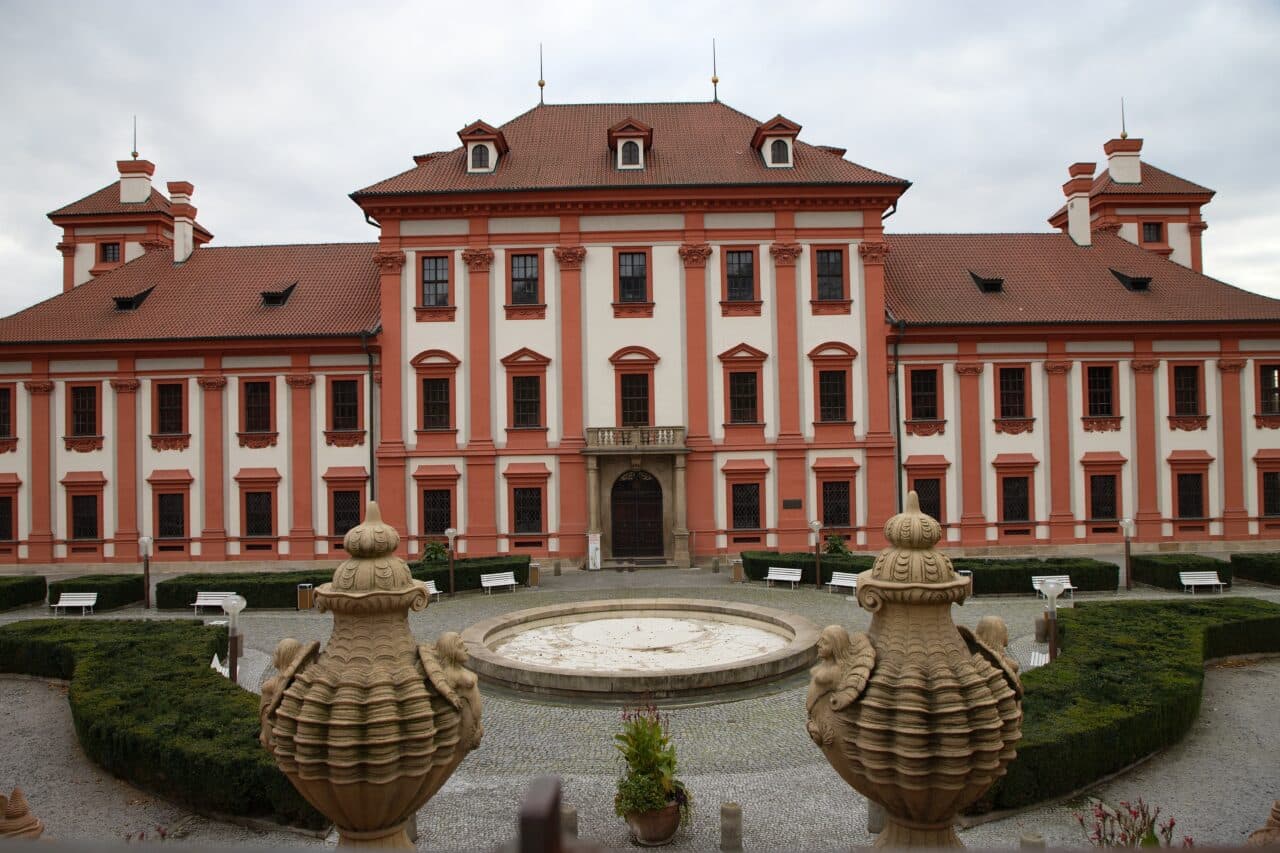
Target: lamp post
451, 534
816, 527
232, 605
1126, 524
1051, 590
144, 548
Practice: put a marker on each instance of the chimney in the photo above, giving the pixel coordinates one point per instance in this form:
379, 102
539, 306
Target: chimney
1123, 161
1077, 192
135, 180
184, 219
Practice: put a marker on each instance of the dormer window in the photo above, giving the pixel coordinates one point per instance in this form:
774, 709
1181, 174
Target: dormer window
485, 147
278, 297
630, 139
775, 140
779, 153
987, 282
479, 157
1132, 281
630, 154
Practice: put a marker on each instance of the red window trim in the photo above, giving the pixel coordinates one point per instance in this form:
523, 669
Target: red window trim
180, 440
1013, 425
633, 309
833, 356
353, 478
1016, 465
527, 475
436, 313
835, 469
1266, 461
1103, 463
1190, 462
171, 482
435, 477
259, 480
99, 265
436, 364
9, 442
10, 487
258, 439
745, 472
83, 443
927, 426
929, 467
743, 358
526, 362
84, 483
1190, 423
1101, 423
534, 311
344, 438
844, 305
633, 361
1261, 420
1161, 246
740, 308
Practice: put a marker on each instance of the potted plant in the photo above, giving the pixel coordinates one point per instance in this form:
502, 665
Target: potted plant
654, 803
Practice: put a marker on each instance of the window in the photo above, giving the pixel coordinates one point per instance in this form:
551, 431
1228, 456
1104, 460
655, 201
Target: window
526, 401
1268, 389
746, 506
344, 405
634, 388
1186, 390
84, 410
778, 153
833, 395
169, 419
257, 407
6, 412
743, 399
346, 511
6, 519
633, 276
524, 280
527, 504
171, 516
1102, 497
435, 404
740, 276
1013, 392
1191, 496
258, 517
480, 157
1270, 493
1153, 232
830, 273
630, 154
924, 394
1015, 504
435, 281
109, 253
437, 511
929, 491
1101, 388
84, 517
836, 503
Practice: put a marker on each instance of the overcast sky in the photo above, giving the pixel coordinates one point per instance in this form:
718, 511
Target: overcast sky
277, 111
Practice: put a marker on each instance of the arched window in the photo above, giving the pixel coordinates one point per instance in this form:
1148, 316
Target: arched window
480, 157
630, 154
778, 152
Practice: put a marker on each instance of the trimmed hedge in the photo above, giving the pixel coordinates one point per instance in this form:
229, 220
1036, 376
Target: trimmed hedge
148, 709
19, 590
1126, 684
994, 577
755, 564
1263, 568
113, 590
1162, 569
467, 572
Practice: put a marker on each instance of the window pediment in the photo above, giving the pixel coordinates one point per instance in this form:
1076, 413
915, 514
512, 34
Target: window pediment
743, 354
635, 355
435, 357
525, 357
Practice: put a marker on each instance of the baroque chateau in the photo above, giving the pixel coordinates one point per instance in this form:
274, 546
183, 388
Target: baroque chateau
672, 325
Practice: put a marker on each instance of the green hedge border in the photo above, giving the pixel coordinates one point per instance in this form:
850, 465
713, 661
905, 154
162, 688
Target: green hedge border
22, 590
148, 708
1162, 569
1127, 684
755, 564
1260, 568
113, 590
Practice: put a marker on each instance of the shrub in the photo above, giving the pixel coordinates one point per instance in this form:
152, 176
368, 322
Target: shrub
756, 564
1126, 684
112, 590
649, 782
1162, 569
1262, 568
260, 589
17, 590
148, 709
992, 577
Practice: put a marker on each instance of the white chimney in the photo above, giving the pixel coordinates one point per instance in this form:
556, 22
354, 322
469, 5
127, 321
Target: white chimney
135, 180
1077, 192
1123, 160
184, 219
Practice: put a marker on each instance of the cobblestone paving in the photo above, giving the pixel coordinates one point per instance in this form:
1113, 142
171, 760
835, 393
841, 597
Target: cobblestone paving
749, 747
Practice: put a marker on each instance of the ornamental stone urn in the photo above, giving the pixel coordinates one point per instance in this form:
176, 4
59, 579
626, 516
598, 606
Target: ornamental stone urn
16, 819
369, 728
917, 714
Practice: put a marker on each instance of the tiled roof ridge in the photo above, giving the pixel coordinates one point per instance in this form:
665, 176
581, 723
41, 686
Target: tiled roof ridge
1104, 177
286, 245
974, 234
116, 183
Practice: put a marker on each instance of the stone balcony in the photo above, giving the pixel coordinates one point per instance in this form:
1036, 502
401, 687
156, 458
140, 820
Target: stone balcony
644, 439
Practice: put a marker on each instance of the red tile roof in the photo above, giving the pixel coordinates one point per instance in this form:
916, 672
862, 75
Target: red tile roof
107, 200
566, 146
1154, 182
1048, 279
216, 294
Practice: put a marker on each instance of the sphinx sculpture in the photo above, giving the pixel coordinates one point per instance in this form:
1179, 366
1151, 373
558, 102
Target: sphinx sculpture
370, 727
1269, 833
16, 819
917, 714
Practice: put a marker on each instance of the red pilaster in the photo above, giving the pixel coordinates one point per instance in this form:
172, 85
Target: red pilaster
973, 521
213, 535
882, 498
68, 251
792, 524
302, 531
126, 442
40, 397
1144, 369
1197, 228
482, 502
572, 486
1235, 516
391, 480
700, 475
1061, 519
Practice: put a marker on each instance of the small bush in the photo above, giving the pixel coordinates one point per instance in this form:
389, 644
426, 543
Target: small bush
113, 590
1162, 569
148, 709
1262, 568
755, 564
17, 590
467, 572
996, 577
260, 589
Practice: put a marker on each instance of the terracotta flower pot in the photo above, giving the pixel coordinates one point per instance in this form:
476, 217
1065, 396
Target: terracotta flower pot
655, 828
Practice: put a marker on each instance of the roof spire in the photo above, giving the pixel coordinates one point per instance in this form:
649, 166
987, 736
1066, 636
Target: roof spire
1124, 133
134, 152
542, 83
715, 79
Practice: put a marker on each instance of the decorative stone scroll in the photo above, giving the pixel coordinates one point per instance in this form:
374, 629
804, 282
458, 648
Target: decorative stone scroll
83, 443
1231, 365
1109, 228
257, 440
300, 380
344, 438
390, 261
16, 819
695, 255
570, 257
154, 244
1058, 367
67, 249
1188, 423
478, 260
1015, 426
369, 728
212, 383
1100, 424
969, 368
171, 441
926, 427
38, 386
873, 253
125, 386
785, 254
1144, 365
917, 714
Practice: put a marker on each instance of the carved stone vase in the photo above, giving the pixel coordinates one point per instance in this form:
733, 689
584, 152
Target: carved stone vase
16, 819
917, 714
369, 728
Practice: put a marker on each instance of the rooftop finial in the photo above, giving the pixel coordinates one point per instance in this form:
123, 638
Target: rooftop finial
542, 83
715, 78
134, 152
1124, 133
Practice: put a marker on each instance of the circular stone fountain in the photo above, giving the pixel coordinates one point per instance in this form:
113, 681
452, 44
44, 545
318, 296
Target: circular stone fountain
631, 648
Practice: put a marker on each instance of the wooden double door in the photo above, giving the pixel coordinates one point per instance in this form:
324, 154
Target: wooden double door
636, 506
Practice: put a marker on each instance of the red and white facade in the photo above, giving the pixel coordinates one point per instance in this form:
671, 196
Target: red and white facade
688, 334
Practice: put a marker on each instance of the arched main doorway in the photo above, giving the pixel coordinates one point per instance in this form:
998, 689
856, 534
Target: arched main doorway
636, 505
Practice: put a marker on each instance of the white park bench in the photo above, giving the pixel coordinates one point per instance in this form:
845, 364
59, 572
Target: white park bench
782, 575
84, 600
210, 599
843, 579
431, 590
1037, 659
1037, 581
498, 579
1191, 580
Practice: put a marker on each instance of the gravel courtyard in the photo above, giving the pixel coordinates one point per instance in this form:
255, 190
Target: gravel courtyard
750, 748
